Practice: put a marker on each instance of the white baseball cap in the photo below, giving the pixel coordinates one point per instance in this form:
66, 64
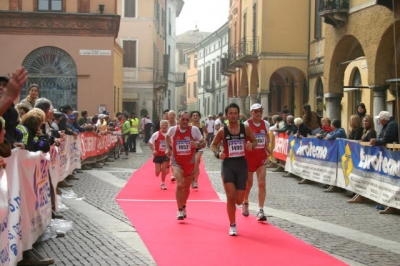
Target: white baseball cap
384, 115
256, 106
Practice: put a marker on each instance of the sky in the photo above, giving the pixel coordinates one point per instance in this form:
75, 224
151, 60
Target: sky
209, 15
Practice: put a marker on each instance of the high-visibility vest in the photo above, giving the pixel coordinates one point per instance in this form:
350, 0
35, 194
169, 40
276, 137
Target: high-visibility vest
134, 126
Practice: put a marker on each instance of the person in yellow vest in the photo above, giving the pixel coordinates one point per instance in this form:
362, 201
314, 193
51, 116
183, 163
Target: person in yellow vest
134, 132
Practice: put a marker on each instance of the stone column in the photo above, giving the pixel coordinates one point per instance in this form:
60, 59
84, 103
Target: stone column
333, 105
242, 104
379, 103
253, 99
264, 101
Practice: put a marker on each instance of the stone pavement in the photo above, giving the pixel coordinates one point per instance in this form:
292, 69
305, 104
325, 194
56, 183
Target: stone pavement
102, 235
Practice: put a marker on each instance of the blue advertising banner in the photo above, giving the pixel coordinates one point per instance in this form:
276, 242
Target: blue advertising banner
312, 158
370, 171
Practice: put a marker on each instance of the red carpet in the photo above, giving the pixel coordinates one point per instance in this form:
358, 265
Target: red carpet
202, 238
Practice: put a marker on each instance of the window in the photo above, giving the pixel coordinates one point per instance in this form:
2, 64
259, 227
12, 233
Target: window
218, 71
244, 25
130, 53
317, 29
188, 90
169, 22
195, 89
50, 5
130, 9
199, 78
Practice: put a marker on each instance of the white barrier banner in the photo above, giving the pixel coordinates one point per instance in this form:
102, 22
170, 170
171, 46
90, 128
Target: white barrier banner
69, 155
36, 197
371, 171
312, 158
14, 217
4, 209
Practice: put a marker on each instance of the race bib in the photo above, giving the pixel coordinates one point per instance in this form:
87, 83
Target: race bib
236, 148
162, 145
183, 147
260, 141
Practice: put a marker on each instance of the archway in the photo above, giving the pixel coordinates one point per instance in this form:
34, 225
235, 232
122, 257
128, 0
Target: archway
54, 70
285, 84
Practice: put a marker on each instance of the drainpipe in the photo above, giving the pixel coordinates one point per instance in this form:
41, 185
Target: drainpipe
220, 79
308, 46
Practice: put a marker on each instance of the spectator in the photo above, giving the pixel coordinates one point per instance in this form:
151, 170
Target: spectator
76, 124
210, 130
10, 114
356, 129
126, 128
337, 131
22, 109
326, 128
361, 110
133, 133
62, 125
311, 119
219, 122
389, 132
33, 95
5, 147
83, 120
29, 132
70, 123
369, 131
147, 129
302, 129
57, 118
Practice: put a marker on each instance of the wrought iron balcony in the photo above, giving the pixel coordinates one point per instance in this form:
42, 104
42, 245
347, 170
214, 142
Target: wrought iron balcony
209, 86
159, 81
244, 52
180, 79
226, 69
334, 12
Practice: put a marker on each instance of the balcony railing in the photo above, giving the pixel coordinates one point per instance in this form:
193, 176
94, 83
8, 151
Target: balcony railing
180, 79
226, 69
209, 86
244, 52
159, 80
334, 12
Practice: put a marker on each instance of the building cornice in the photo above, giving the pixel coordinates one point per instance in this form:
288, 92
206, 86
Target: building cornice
51, 23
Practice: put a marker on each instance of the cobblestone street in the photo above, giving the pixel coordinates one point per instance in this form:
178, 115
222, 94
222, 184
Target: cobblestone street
102, 235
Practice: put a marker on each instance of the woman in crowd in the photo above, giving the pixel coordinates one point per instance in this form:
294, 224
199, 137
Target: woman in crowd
325, 128
5, 146
29, 132
302, 130
311, 119
195, 117
361, 111
356, 129
157, 145
22, 109
369, 131
337, 131
33, 95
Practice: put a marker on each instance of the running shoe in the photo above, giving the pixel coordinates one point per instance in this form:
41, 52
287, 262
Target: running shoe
194, 184
180, 216
163, 187
245, 209
261, 216
232, 230
184, 213
172, 178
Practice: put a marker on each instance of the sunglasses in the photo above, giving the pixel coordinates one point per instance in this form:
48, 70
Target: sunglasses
185, 119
